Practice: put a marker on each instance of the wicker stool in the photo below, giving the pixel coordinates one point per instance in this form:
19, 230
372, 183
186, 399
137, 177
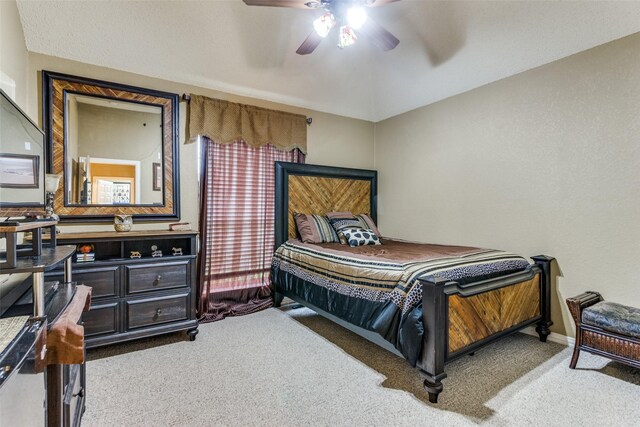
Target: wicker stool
605, 328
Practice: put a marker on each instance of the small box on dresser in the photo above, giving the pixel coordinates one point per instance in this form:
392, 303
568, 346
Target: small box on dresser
137, 296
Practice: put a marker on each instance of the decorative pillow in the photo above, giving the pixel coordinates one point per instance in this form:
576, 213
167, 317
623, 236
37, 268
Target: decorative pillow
367, 222
339, 223
315, 229
343, 240
332, 215
357, 236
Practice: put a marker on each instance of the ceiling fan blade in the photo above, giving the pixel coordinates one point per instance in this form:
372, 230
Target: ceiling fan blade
300, 4
310, 43
381, 37
376, 3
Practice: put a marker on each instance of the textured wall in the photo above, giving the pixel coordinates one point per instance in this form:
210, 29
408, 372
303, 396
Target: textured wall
547, 161
13, 81
332, 140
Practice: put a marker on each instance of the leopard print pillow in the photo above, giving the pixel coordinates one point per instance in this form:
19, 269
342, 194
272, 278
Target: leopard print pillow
357, 236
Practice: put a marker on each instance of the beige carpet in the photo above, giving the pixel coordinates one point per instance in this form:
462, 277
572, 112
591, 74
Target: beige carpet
293, 367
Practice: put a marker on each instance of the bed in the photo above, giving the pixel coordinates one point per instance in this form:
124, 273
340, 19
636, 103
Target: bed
429, 303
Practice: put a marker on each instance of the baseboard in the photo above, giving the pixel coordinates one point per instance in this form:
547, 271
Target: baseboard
553, 337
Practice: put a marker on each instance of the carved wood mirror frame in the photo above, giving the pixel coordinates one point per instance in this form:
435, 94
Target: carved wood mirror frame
55, 87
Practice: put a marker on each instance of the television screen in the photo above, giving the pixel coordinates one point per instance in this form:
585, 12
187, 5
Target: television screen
21, 161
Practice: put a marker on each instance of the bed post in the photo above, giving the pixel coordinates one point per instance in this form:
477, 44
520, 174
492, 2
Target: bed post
281, 218
277, 297
434, 347
544, 262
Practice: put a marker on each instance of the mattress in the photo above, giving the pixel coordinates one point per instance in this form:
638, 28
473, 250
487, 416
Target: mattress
375, 287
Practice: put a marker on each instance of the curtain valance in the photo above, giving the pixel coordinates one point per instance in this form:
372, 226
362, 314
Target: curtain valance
226, 122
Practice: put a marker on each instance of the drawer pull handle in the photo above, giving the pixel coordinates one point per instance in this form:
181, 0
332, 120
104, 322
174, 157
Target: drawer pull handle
158, 278
158, 313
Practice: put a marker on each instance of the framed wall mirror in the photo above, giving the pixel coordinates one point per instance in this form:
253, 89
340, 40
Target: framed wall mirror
116, 147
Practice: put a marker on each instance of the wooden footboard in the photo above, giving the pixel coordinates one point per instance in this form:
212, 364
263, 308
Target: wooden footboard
459, 318
477, 317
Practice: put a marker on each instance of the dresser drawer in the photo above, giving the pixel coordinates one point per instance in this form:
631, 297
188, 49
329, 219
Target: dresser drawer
104, 281
101, 319
149, 312
157, 276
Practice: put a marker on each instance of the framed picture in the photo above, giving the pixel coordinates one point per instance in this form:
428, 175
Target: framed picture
19, 171
121, 193
157, 177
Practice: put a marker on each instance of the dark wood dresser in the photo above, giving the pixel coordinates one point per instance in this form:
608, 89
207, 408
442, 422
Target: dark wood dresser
136, 297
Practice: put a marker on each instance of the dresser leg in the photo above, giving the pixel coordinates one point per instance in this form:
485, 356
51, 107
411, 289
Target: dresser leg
191, 333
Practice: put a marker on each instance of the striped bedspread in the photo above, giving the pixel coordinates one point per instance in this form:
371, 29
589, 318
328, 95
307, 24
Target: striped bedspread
389, 272
376, 287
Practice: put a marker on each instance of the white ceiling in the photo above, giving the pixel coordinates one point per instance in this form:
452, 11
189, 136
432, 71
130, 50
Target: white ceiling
445, 47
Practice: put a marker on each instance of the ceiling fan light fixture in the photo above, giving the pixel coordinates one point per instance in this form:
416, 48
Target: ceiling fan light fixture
347, 37
356, 17
349, 16
324, 24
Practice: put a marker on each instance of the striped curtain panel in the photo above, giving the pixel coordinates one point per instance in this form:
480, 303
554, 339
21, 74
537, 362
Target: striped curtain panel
237, 227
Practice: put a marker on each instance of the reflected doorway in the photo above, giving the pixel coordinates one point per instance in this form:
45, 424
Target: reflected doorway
108, 181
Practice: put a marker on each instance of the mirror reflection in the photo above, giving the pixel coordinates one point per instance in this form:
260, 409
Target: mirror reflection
113, 151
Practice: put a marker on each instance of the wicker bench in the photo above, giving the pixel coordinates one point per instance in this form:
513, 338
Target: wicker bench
605, 328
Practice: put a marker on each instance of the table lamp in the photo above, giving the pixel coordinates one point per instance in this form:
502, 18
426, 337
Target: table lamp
51, 182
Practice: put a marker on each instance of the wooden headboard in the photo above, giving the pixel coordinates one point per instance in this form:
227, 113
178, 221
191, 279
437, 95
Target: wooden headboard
313, 189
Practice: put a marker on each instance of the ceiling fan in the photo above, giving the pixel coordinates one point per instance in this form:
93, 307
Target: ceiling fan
349, 15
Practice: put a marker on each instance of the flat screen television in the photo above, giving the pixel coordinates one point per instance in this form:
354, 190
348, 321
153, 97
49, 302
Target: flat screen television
22, 174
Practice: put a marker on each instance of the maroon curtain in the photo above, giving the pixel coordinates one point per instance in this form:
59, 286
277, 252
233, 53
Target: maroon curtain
237, 227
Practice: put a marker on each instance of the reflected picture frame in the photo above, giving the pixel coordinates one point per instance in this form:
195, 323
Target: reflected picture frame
157, 177
121, 193
19, 171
